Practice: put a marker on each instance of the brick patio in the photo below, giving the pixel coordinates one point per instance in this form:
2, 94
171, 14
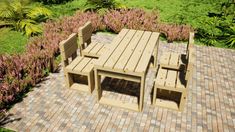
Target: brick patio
210, 104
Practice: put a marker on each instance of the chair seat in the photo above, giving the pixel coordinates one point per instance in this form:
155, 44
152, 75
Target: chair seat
173, 80
172, 60
94, 50
81, 65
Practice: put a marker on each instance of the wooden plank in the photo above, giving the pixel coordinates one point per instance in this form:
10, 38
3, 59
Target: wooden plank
119, 50
171, 78
133, 61
85, 33
128, 51
119, 76
69, 46
165, 58
142, 90
104, 57
74, 63
80, 87
69, 42
82, 64
174, 59
96, 49
167, 104
117, 103
89, 48
103, 50
183, 100
88, 68
148, 51
161, 77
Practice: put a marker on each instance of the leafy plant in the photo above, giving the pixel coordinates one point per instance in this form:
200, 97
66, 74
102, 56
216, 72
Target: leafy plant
98, 4
53, 1
22, 17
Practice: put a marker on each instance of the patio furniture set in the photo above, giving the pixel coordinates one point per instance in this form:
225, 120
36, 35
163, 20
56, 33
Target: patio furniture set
128, 57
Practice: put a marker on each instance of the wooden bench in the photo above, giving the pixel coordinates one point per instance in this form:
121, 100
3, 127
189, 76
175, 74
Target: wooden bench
171, 86
88, 48
175, 60
78, 70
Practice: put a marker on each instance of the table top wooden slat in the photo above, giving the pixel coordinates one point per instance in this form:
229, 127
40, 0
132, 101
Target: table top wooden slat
119, 50
104, 57
133, 61
129, 53
103, 49
148, 51
121, 63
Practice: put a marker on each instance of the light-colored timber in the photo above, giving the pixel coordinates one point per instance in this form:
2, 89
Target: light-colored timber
177, 61
128, 58
176, 82
78, 67
88, 48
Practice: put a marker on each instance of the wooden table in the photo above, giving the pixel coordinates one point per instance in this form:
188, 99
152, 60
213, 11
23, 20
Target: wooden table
128, 57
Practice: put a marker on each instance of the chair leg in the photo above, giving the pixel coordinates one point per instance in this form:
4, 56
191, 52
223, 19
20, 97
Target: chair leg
182, 100
154, 95
68, 79
98, 85
91, 81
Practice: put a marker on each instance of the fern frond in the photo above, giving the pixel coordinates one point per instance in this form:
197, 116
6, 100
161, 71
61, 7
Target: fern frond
29, 27
36, 12
6, 10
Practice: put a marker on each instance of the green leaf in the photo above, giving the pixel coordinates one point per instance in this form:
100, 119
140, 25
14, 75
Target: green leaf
36, 12
30, 27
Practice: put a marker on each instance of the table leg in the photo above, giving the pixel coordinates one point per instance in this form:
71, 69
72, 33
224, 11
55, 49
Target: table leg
142, 87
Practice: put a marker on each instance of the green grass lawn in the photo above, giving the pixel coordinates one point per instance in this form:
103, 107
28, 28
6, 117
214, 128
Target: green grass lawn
191, 12
11, 41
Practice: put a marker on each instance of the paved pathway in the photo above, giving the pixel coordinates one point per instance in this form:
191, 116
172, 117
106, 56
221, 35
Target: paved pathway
210, 104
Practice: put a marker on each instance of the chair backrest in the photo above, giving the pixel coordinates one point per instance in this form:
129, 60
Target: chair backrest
190, 43
69, 48
84, 35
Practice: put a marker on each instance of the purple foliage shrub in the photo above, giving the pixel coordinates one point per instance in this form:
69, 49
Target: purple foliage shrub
138, 19
175, 32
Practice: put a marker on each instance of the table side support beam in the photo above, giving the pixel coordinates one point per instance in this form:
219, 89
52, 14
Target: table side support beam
141, 79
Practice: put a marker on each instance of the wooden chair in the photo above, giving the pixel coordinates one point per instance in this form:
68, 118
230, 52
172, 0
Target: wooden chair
172, 60
171, 86
88, 48
78, 70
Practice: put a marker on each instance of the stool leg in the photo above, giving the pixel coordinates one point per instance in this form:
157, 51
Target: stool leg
91, 81
154, 95
68, 79
182, 101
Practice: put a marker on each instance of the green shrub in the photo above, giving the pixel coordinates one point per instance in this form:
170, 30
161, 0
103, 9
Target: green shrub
98, 4
52, 1
22, 17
